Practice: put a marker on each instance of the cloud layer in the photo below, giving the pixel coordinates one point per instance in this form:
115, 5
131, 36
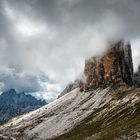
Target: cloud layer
43, 43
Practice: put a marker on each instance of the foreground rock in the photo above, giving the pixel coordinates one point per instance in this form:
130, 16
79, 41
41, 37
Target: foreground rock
77, 114
119, 119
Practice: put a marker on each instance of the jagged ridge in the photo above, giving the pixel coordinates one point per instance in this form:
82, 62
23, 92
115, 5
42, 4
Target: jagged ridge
13, 104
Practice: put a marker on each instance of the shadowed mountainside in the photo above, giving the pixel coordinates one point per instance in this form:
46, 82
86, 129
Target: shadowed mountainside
13, 104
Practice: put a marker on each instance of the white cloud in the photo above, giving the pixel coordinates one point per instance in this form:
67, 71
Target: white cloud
136, 52
48, 96
25, 26
9, 12
28, 29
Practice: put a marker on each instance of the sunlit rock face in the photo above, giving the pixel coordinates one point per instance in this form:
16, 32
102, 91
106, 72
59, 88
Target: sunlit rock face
114, 66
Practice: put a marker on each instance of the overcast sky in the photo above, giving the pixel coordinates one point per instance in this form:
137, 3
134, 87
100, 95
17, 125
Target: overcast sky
43, 43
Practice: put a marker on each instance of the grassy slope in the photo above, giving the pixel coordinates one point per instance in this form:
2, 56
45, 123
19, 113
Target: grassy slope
112, 123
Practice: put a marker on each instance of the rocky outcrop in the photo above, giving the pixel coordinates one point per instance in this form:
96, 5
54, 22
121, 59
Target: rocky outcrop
136, 78
114, 66
77, 83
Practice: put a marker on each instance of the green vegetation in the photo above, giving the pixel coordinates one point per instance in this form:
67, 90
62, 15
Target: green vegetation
109, 123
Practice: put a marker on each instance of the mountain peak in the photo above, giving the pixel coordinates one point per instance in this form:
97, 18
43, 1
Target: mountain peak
9, 92
13, 104
12, 90
115, 65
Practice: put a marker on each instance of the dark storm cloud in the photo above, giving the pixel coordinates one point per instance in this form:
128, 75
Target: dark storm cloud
53, 37
70, 15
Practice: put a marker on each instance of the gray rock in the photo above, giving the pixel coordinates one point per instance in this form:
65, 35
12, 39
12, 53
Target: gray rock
72, 86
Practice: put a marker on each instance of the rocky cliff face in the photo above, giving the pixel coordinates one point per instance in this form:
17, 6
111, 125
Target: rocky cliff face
77, 83
114, 66
136, 78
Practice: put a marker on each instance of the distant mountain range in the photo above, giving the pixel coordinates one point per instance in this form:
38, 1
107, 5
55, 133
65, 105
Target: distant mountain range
13, 104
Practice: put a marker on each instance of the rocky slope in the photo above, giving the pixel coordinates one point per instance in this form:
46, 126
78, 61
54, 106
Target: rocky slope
119, 119
73, 85
103, 106
13, 104
100, 114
